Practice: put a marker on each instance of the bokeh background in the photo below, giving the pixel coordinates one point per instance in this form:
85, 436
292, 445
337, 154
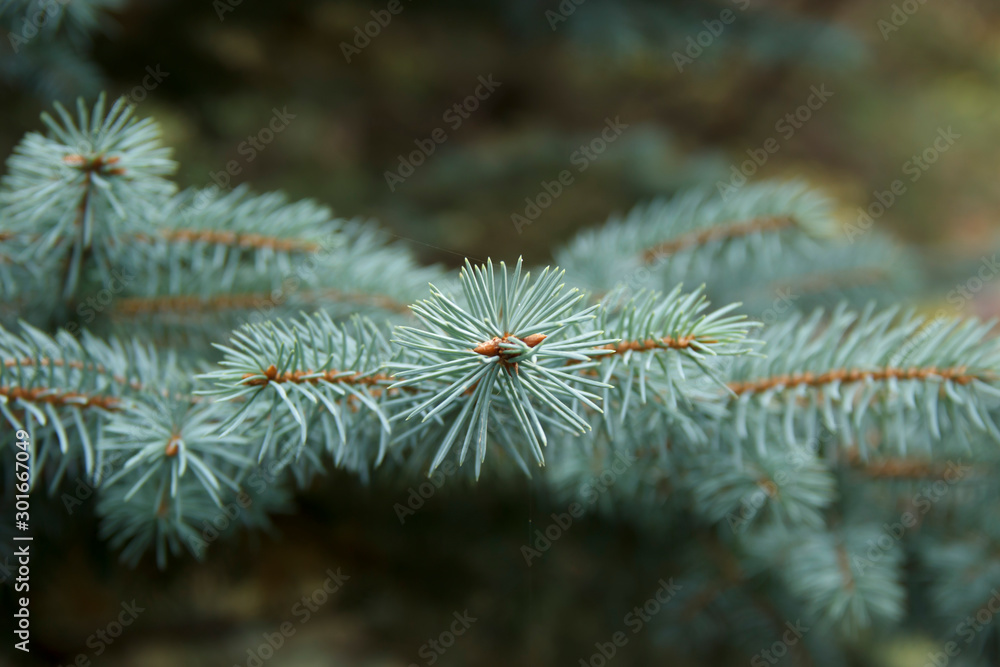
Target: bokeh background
899, 72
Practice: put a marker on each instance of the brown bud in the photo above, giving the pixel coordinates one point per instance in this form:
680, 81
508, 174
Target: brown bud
533, 339
490, 348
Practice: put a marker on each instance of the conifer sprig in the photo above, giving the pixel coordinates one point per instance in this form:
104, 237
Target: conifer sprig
870, 372
642, 391
91, 181
283, 378
510, 340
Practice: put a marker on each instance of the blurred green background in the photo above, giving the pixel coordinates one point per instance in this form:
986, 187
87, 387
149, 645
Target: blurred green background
892, 91
224, 69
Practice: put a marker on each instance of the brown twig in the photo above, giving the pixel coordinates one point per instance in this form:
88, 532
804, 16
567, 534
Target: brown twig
818, 282
717, 233
896, 468
60, 398
957, 374
133, 306
96, 163
97, 368
844, 565
311, 377
621, 347
229, 238
61, 363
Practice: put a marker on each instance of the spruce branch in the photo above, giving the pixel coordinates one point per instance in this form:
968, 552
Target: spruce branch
779, 488
508, 344
310, 372
856, 374
165, 438
79, 189
828, 571
151, 520
661, 244
132, 307
77, 19
188, 291
648, 403
833, 272
65, 390
214, 236
669, 349
725, 231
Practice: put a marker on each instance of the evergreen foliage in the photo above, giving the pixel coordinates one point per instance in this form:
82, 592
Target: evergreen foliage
772, 443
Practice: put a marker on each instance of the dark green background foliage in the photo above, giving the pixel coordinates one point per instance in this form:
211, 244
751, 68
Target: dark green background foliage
558, 87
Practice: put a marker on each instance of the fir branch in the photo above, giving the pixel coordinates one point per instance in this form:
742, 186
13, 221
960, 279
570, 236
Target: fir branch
906, 468
844, 279
828, 273
829, 572
52, 384
785, 488
270, 374
328, 369
134, 306
689, 237
959, 375
669, 349
56, 397
216, 236
232, 239
853, 373
723, 231
664, 343
506, 345
163, 439
77, 191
